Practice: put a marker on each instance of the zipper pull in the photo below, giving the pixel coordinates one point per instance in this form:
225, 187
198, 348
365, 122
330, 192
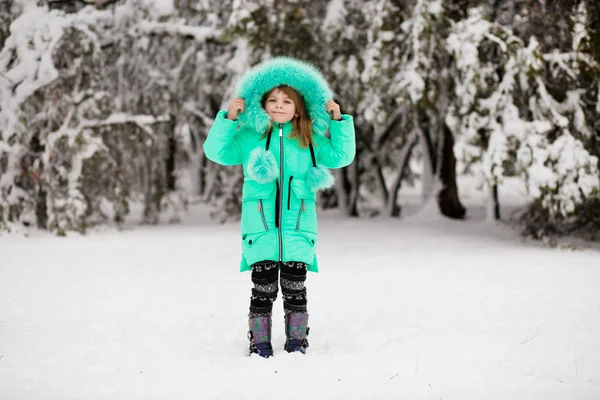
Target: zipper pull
280, 130
260, 205
303, 205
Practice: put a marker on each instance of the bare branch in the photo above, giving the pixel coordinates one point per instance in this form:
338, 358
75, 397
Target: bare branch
198, 33
2, 74
392, 123
538, 331
208, 121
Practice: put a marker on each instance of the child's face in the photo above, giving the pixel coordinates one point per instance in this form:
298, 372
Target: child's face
280, 107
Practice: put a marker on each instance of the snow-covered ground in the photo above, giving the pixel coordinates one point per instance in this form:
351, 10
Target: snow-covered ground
416, 308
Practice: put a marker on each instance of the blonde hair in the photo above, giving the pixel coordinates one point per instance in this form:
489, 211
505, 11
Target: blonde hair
302, 124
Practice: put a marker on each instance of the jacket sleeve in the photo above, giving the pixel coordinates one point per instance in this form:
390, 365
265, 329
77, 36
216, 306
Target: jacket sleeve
224, 143
339, 150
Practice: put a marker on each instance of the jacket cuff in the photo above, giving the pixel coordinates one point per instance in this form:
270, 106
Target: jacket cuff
345, 118
222, 115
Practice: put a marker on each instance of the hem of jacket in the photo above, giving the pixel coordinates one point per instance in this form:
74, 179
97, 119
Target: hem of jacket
312, 267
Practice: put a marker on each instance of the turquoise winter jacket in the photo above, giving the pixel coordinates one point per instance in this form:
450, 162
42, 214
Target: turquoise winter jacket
279, 218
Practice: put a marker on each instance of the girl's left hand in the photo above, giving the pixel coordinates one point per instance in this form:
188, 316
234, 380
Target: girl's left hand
335, 107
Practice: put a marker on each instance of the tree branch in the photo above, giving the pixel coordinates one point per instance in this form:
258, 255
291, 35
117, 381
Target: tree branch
392, 122
208, 121
412, 141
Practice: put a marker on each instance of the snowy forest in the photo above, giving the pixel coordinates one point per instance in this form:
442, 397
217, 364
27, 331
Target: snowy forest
105, 104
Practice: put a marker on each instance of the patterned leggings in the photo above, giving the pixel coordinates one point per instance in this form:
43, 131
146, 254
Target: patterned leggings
265, 277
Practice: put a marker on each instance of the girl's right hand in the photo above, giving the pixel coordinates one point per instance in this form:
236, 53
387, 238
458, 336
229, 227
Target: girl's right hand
236, 106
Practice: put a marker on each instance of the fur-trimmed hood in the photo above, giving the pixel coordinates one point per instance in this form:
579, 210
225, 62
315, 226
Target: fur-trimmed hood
300, 75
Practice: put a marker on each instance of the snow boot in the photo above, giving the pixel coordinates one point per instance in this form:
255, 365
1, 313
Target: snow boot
296, 332
260, 336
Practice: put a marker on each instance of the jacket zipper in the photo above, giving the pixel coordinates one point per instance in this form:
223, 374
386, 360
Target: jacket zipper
302, 208
289, 191
280, 210
262, 214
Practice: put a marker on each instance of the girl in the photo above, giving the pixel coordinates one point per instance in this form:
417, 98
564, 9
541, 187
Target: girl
276, 130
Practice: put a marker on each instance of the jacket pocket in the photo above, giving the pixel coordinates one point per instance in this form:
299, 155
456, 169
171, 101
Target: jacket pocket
300, 211
261, 210
311, 238
257, 206
253, 190
304, 203
249, 240
302, 191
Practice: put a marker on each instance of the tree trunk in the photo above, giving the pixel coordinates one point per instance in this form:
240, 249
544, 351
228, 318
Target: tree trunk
41, 211
493, 206
381, 180
496, 203
428, 175
429, 152
393, 208
448, 200
200, 174
593, 10
171, 155
351, 205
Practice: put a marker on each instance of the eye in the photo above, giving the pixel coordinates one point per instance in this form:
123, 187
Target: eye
288, 102
271, 100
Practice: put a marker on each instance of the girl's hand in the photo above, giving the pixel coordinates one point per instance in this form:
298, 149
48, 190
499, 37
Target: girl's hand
236, 106
333, 106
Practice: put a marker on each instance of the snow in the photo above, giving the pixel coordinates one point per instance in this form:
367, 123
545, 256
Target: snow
199, 33
387, 36
24, 62
465, 37
241, 10
421, 307
159, 8
335, 13
435, 8
414, 83
579, 30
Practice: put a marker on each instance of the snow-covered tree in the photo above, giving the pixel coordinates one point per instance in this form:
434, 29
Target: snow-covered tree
420, 88
106, 105
522, 112
94, 105
363, 58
